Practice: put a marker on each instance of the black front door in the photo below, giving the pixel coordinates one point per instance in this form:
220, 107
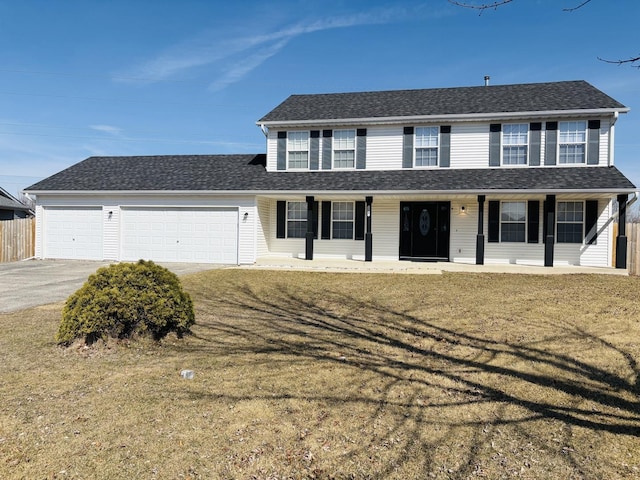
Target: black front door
424, 230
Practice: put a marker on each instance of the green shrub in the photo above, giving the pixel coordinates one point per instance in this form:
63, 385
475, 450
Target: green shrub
125, 300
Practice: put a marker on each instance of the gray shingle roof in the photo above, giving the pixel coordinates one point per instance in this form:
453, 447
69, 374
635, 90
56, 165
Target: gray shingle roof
9, 202
532, 97
246, 173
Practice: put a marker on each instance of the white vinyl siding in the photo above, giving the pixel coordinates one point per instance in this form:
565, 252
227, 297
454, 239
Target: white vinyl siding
263, 232
384, 148
470, 145
603, 153
111, 231
464, 228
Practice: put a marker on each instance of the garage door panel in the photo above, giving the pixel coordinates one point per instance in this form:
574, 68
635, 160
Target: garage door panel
206, 235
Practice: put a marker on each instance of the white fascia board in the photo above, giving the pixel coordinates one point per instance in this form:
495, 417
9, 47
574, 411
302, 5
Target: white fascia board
465, 117
248, 193
446, 192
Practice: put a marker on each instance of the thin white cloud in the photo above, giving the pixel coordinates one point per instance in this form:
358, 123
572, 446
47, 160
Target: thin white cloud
106, 129
241, 68
234, 57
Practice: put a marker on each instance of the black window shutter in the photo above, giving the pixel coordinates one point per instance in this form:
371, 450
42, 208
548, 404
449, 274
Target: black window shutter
281, 219
314, 150
326, 221
533, 221
361, 148
494, 221
593, 137
407, 147
445, 145
591, 222
359, 226
551, 143
327, 142
494, 145
281, 156
315, 220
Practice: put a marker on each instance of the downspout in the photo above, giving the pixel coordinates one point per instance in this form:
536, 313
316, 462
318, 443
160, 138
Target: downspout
265, 130
612, 138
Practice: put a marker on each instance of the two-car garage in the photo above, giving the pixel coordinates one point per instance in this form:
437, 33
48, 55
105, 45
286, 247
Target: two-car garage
163, 234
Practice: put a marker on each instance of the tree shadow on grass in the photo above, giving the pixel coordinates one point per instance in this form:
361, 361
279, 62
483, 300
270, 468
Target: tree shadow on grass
403, 348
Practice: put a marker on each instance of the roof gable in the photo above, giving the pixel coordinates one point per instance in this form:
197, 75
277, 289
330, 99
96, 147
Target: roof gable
532, 97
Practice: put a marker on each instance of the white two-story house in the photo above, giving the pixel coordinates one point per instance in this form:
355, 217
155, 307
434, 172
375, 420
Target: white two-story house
491, 174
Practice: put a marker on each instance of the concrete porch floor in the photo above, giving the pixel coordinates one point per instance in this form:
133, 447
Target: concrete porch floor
417, 268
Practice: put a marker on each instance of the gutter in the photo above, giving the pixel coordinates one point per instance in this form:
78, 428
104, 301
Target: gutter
458, 117
612, 138
249, 193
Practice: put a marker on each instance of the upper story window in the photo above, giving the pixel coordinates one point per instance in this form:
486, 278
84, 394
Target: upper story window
426, 147
344, 148
298, 150
513, 219
572, 142
570, 222
515, 142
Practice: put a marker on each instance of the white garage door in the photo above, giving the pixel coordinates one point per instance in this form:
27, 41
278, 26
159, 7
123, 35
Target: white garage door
73, 233
195, 235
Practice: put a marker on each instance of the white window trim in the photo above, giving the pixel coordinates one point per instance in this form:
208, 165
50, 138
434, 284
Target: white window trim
353, 219
585, 143
502, 146
415, 147
308, 150
558, 222
333, 149
526, 221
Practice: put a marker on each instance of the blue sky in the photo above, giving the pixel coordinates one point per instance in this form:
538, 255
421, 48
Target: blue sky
136, 77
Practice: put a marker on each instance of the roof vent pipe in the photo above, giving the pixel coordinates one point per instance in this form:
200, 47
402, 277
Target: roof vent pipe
486, 80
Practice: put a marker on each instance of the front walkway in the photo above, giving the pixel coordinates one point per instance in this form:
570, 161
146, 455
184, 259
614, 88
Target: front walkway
416, 268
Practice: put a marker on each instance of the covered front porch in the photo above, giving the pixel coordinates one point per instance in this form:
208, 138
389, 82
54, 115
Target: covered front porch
480, 229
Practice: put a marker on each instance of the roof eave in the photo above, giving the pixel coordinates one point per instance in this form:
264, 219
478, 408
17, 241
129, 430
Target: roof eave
485, 191
465, 117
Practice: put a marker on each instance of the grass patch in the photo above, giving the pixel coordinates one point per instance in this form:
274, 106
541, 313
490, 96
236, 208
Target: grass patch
318, 375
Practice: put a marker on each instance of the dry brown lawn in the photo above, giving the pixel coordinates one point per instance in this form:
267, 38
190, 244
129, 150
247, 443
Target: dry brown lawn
318, 375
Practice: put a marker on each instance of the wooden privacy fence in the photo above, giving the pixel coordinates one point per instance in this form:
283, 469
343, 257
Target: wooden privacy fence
17, 239
633, 248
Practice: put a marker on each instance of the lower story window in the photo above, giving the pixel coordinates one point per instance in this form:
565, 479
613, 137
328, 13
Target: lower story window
342, 220
296, 219
513, 222
570, 222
